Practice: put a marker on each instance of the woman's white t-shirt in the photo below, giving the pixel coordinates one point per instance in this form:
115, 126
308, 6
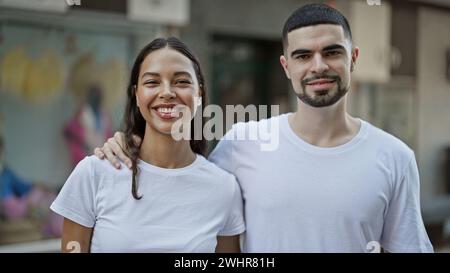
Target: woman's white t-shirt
181, 210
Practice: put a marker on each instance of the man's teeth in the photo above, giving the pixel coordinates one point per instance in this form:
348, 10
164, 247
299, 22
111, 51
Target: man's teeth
166, 110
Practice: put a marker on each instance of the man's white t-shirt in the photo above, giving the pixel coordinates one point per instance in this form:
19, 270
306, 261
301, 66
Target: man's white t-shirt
304, 198
181, 210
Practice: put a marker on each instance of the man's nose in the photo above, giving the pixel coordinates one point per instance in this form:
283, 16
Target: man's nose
318, 65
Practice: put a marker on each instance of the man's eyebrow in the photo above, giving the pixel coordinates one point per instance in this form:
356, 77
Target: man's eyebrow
327, 48
300, 51
333, 47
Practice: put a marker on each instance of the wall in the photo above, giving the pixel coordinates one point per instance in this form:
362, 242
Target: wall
433, 98
249, 20
35, 147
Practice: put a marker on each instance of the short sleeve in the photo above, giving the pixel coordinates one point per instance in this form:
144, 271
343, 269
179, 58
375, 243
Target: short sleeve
403, 229
76, 200
234, 223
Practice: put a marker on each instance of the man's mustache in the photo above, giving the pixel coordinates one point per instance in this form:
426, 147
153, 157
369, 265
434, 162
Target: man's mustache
321, 77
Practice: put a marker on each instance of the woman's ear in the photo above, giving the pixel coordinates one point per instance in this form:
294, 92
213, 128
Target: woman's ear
197, 101
135, 94
200, 95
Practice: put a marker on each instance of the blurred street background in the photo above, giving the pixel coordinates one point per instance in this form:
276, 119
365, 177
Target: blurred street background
64, 65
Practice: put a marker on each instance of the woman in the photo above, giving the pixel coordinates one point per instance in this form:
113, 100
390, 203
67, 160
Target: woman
179, 201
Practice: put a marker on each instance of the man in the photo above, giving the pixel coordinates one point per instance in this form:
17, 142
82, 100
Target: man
335, 183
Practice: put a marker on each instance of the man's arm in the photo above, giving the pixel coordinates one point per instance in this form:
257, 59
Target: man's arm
403, 228
75, 238
114, 150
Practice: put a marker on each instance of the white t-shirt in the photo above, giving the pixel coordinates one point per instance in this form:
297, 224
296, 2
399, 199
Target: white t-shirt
304, 198
181, 210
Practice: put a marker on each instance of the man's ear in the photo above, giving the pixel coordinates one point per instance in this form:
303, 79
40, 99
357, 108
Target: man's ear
355, 54
284, 64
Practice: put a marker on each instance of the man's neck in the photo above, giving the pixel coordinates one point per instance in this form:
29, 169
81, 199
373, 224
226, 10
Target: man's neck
324, 127
163, 151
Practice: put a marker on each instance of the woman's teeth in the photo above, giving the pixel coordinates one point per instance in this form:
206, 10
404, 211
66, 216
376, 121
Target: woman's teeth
166, 110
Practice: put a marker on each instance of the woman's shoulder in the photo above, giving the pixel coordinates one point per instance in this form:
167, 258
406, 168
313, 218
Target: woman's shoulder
94, 173
95, 166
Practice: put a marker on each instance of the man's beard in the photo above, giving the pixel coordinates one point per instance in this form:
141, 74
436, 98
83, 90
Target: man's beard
324, 99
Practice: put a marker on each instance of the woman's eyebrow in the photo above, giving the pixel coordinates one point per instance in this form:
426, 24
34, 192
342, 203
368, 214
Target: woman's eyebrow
149, 74
182, 73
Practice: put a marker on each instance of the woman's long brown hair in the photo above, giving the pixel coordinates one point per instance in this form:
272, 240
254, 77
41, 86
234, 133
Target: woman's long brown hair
134, 123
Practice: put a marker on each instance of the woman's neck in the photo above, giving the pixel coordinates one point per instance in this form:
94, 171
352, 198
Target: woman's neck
163, 151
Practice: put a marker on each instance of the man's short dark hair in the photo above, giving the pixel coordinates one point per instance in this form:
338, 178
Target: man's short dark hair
315, 14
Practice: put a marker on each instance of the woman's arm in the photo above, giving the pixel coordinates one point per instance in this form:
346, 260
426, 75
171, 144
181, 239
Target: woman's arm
75, 238
228, 244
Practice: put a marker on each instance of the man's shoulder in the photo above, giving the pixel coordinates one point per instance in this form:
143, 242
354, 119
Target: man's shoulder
388, 143
252, 128
213, 172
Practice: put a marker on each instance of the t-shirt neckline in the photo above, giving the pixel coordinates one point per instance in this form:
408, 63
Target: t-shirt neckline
291, 135
166, 171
